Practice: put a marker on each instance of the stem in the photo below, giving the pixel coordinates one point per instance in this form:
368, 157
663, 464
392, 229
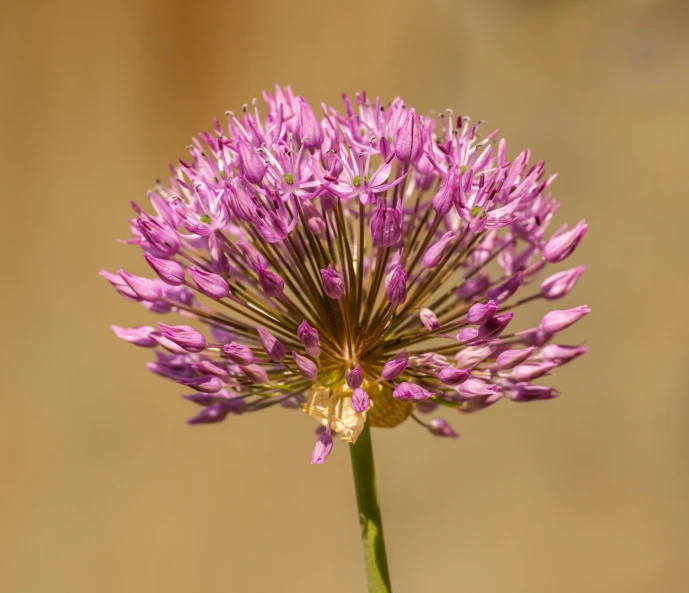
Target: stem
369, 514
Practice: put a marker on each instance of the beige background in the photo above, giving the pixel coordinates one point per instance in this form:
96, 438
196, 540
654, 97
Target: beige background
104, 489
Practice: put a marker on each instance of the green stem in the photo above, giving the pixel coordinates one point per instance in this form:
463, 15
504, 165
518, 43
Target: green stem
369, 514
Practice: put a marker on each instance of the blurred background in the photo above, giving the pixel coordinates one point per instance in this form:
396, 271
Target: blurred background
104, 488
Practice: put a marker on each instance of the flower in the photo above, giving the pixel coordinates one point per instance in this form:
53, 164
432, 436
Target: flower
383, 249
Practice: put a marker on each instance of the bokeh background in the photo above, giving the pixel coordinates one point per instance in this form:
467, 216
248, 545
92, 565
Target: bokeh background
102, 486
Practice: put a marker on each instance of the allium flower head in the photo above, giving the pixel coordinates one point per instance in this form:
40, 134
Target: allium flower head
363, 265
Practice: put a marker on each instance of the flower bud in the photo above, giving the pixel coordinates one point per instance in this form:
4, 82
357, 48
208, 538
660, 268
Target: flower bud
511, 358
429, 320
453, 376
532, 370
309, 131
476, 388
333, 285
409, 392
306, 366
562, 354
210, 415
324, 444
494, 327
168, 271
409, 143
556, 321
396, 286
255, 373
505, 290
445, 198
204, 383
360, 400
467, 334
239, 354
139, 336
394, 367
274, 348
253, 166
308, 336
206, 367
480, 313
271, 284
160, 236
473, 355
355, 377
560, 284
184, 336
561, 246
526, 392
210, 284
145, 288
314, 219
385, 225
435, 253
440, 428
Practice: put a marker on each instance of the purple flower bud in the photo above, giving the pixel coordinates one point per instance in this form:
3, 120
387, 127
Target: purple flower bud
494, 327
511, 358
556, 321
531, 371
467, 334
440, 428
562, 245
445, 198
526, 392
239, 354
255, 373
305, 365
206, 367
409, 143
429, 320
453, 376
355, 377
308, 336
360, 400
253, 165
473, 355
274, 348
140, 335
332, 283
314, 220
476, 388
394, 367
204, 383
184, 336
396, 286
505, 290
309, 131
322, 449
210, 284
385, 225
480, 313
562, 354
168, 271
215, 413
560, 284
435, 253
270, 282
159, 234
410, 392
145, 288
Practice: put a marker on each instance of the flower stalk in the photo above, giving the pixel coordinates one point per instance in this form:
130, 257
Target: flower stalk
372, 538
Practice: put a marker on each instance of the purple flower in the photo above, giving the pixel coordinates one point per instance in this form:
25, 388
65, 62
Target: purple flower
322, 449
332, 283
561, 284
355, 377
562, 245
169, 271
212, 285
379, 243
184, 336
308, 336
360, 400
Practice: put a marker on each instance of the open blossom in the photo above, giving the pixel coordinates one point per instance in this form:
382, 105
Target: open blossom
364, 265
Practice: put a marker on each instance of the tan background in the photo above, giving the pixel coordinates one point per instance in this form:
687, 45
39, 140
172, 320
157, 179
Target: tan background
104, 489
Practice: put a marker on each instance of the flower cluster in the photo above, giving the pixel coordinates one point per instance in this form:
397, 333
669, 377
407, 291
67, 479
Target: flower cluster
361, 265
